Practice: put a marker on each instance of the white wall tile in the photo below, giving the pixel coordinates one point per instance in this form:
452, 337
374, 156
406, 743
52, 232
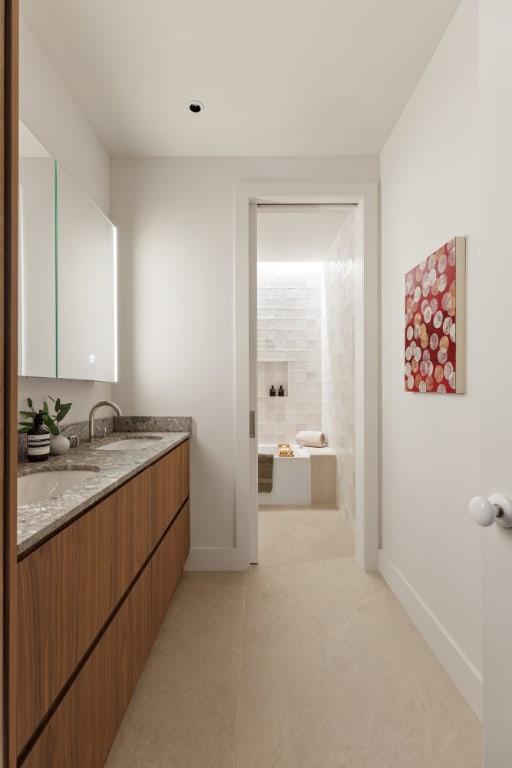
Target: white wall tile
338, 361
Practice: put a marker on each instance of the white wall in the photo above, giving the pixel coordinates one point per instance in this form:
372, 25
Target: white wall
176, 221
51, 113
430, 443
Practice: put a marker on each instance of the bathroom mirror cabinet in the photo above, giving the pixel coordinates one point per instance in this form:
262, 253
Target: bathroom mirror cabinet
67, 274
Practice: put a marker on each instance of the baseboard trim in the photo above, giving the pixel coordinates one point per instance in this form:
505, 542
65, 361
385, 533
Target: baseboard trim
463, 673
216, 559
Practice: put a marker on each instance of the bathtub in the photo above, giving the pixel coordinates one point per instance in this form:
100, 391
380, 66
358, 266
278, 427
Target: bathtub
291, 478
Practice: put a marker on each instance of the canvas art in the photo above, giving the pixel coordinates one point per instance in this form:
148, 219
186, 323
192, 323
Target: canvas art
435, 304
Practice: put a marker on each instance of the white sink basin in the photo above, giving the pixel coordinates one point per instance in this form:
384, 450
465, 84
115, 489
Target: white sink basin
48, 485
129, 444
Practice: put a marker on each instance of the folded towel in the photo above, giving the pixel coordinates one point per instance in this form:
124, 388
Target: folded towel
265, 472
312, 439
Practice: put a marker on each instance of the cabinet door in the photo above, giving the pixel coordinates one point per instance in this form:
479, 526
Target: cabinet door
165, 574
185, 534
67, 589
167, 566
182, 472
83, 727
165, 499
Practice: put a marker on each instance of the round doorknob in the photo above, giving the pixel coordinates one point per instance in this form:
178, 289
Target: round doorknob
497, 508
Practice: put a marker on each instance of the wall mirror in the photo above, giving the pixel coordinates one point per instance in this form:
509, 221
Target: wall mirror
36, 269
67, 274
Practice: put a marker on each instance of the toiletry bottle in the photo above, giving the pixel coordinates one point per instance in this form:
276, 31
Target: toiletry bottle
38, 440
272, 391
280, 391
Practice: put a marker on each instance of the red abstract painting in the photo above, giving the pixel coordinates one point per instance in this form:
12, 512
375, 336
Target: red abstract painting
435, 321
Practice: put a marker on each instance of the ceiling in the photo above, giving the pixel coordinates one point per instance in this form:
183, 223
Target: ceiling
277, 77
298, 233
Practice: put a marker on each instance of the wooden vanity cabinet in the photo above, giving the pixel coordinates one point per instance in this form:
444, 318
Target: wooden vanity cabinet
84, 725
67, 589
91, 600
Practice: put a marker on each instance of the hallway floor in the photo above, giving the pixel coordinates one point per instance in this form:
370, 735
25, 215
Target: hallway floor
303, 661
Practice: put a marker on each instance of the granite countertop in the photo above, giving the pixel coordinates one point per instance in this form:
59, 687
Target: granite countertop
111, 469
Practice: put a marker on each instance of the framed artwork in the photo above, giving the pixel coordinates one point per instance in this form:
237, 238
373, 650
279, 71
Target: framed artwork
435, 321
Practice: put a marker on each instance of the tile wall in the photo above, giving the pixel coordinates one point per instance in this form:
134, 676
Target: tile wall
338, 360
289, 349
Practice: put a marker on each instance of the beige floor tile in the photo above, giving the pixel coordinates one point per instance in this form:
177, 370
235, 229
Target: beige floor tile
188, 724
201, 635
214, 579
303, 661
289, 535
334, 674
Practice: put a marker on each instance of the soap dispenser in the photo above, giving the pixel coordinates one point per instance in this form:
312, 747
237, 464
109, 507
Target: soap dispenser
272, 391
38, 440
280, 391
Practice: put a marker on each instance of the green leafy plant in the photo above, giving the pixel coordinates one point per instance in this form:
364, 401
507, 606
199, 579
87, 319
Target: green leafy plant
52, 420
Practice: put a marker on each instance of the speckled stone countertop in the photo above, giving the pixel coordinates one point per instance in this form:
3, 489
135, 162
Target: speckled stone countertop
111, 469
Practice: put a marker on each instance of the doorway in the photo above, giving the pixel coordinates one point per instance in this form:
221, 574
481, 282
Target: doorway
364, 197
305, 356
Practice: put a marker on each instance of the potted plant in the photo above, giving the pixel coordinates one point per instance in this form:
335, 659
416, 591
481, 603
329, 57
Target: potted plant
58, 442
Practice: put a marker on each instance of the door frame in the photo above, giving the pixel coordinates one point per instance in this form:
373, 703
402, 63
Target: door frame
367, 357
9, 14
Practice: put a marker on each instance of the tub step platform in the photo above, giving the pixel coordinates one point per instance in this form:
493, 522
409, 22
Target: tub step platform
323, 476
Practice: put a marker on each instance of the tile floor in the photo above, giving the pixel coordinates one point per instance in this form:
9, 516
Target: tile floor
304, 661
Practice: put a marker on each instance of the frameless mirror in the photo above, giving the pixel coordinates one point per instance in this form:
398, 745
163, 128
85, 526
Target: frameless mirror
36, 259
87, 296
67, 274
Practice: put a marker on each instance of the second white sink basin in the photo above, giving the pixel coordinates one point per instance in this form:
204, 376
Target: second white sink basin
129, 444
48, 485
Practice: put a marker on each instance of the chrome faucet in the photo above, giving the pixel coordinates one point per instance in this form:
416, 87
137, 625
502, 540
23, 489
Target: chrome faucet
93, 411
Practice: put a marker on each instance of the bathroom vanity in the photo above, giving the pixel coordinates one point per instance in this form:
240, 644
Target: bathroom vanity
97, 570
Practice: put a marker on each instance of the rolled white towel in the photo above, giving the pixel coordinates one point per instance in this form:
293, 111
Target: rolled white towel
311, 439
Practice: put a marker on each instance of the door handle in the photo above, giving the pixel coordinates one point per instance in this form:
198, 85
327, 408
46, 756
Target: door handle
497, 508
252, 423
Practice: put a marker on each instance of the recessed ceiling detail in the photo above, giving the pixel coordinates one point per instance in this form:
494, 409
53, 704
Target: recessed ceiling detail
196, 107
324, 78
